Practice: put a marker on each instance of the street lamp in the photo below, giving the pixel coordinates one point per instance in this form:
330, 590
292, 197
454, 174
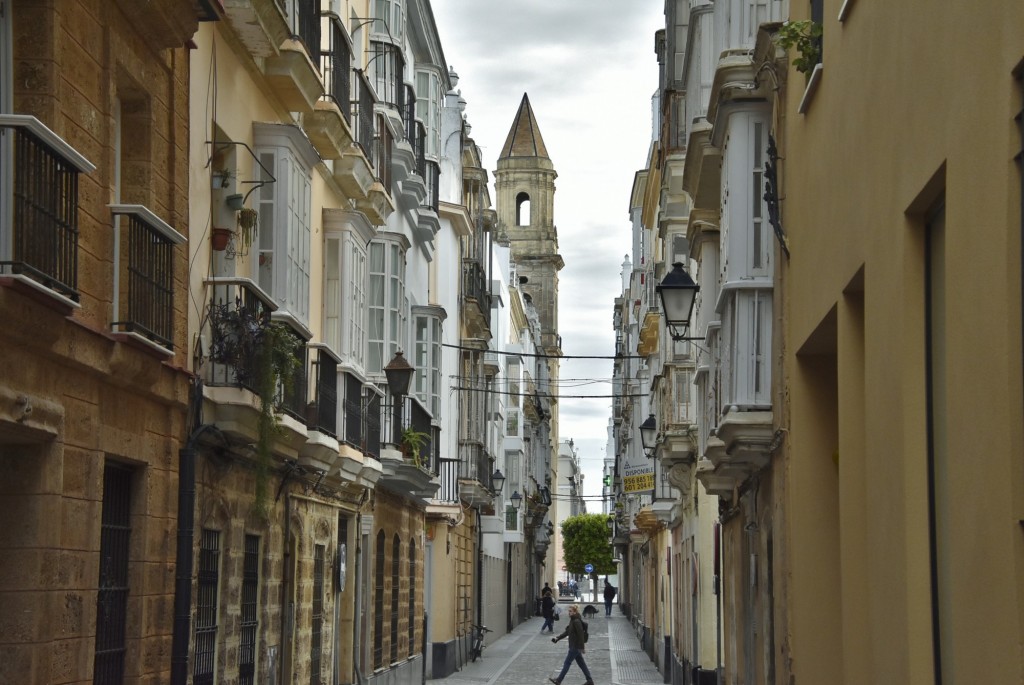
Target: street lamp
399, 374
517, 500
610, 522
497, 482
678, 294
649, 435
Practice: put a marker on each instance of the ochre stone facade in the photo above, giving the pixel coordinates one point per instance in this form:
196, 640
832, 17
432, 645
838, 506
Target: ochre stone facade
77, 401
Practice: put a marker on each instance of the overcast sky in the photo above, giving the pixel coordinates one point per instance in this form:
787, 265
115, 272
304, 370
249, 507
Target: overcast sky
590, 71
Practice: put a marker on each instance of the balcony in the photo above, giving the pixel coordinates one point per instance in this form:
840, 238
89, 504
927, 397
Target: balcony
143, 307
475, 469
354, 172
477, 299
39, 209
409, 468
409, 160
321, 449
428, 212
378, 204
328, 125
237, 329
260, 25
359, 432
168, 24
293, 77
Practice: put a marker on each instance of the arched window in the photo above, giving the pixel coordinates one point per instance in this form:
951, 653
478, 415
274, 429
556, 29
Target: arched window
412, 597
396, 555
378, 603
523, 209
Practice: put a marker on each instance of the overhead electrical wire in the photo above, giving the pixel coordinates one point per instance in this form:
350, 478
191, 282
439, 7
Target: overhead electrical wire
542, 356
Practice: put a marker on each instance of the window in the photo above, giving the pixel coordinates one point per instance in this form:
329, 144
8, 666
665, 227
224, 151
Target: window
386, 304
317, 618
378, 602
206, 608
749, 335
388, 14
428, 109
523, 209
249, 621
396, 556
428, 362
112, 597
759, 240
284, 206
681, 388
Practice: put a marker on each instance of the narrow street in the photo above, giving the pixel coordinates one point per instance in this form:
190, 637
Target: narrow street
526, 656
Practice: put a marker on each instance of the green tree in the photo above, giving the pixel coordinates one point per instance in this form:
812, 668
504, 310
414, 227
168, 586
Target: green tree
585, 541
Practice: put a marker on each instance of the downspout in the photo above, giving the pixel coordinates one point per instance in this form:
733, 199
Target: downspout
479, 569
186, 536
357, 656
286, 640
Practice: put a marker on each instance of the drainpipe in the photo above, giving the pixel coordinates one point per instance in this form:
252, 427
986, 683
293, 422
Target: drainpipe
479, 570
186, 535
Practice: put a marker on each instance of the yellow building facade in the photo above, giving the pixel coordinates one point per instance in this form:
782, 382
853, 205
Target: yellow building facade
899, 155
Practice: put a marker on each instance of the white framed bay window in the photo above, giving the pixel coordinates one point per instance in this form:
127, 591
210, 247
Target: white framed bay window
386, 301
284, 206
427, 356
346, 233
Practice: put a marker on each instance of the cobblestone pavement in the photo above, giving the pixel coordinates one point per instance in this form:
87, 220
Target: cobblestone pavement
527, 657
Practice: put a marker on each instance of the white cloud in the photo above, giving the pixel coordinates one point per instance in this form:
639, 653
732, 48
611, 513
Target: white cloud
589, 68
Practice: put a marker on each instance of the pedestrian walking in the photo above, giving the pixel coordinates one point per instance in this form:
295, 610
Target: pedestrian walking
609, 596
547, 610
576, 632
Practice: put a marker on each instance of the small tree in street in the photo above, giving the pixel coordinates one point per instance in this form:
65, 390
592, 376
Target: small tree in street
585, 541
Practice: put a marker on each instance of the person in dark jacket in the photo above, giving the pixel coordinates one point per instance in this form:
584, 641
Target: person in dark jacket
547, 610
577, 646
609, 597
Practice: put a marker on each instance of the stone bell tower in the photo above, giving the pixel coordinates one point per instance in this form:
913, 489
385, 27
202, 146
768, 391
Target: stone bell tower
525, 188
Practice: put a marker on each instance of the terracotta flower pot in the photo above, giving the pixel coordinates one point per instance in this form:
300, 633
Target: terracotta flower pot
220, 238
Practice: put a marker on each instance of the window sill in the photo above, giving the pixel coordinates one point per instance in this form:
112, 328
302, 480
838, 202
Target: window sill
39, 292
812, 88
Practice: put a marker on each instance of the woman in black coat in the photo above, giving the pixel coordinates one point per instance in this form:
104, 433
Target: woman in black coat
547, 610
576, 632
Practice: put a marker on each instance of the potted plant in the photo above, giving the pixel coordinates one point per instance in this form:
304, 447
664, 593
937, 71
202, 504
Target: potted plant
412, 442
221, 178
805, 36
220, 238
264, 358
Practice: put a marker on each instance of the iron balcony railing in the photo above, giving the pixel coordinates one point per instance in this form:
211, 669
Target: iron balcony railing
291, 393
323, 414
372, 423
305, 25
352, 411
144, 274
336, 66
238, 313
476, 286
420, 421
432, 178
385, 146
409, 114
362, 112
475, 463
39, 204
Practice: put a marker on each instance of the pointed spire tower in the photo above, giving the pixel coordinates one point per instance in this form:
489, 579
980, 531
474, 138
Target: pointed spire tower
525, 188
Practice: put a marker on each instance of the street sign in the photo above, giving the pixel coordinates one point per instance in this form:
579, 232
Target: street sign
589, 568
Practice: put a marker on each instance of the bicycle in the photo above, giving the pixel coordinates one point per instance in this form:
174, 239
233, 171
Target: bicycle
477, 648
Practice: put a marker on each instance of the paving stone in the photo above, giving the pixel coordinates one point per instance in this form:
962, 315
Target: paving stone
527, 657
